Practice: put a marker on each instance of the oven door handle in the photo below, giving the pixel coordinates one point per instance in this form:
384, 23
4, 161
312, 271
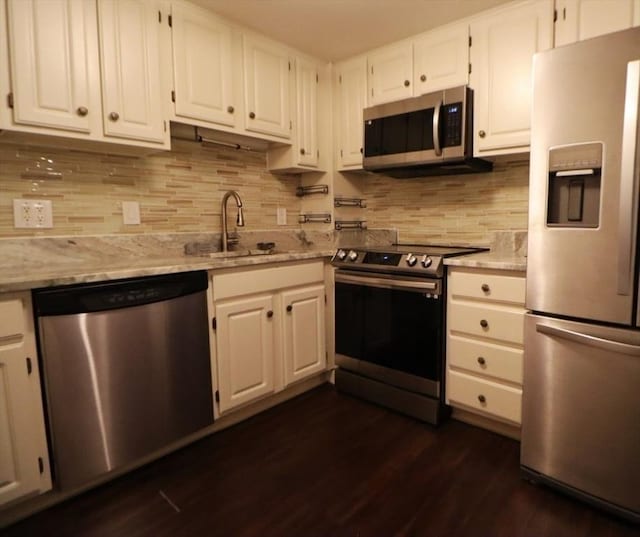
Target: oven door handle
384, 283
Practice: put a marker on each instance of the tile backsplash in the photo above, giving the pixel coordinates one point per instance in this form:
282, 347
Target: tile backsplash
463, 209
178, 190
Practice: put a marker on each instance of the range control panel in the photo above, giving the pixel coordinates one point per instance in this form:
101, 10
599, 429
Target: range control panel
407, 262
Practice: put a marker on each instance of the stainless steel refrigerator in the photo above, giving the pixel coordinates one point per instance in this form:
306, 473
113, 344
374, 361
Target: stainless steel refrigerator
581, 395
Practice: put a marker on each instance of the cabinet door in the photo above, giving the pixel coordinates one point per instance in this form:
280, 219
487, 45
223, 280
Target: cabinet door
54, 62
391, 73
441, 59
307, 112
202, 63
503, 45
132, 101
582, 19
24, 463
352, 99
267, 71
245, 349
304, 340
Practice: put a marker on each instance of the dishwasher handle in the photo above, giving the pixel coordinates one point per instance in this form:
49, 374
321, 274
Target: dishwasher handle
116, 294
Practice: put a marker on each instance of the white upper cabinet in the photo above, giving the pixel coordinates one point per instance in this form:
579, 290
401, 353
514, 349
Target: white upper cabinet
307, 112
582, 19
203, 66
53, 55
390, 73
303, 155
503, 44
351, 84
85, 70
441, 59
267, 72
130, 58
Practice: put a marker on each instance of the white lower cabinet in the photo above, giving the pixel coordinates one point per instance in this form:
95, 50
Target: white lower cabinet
485, 320
245, 348
24, 461
268, 330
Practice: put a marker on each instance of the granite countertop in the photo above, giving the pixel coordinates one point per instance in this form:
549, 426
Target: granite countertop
84, 271
490, 260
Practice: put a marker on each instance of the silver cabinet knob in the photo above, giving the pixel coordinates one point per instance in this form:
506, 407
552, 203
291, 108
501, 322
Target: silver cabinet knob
423, 78
482, 134
252, 115
114, 116
406, 83
82, 111
230, 109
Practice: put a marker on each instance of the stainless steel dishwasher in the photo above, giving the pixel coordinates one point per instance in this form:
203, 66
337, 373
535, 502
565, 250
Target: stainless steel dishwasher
126, 370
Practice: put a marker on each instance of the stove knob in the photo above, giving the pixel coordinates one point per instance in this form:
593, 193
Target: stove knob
353, 255
426, 261
411, 260
341, 255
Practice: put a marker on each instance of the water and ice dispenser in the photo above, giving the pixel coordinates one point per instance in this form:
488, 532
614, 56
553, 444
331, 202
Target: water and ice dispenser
575, 173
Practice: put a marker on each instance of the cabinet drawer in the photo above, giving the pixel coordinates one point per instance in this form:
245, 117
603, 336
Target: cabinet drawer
497, 361
249, 281
12, 316
495, 287
484, 395
485, 321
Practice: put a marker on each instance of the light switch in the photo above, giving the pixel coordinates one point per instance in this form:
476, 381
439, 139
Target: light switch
281, 216
130, 213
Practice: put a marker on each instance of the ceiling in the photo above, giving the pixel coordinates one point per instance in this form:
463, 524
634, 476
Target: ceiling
334, 30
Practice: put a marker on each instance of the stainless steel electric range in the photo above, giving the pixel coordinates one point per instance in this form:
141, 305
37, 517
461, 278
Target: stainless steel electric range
390, 326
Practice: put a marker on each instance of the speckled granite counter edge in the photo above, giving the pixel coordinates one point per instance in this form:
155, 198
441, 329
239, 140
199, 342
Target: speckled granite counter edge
489, 260
53, 276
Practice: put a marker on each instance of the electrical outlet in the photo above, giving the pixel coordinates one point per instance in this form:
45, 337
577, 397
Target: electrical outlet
130, 213
32, 214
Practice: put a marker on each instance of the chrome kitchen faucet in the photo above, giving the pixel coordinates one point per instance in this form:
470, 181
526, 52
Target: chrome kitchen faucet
226, 241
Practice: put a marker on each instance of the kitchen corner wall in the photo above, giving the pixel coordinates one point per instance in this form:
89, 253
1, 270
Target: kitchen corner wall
463, 209
178, 190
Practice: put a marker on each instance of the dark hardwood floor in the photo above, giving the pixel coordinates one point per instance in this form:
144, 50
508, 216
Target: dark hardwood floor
326, 464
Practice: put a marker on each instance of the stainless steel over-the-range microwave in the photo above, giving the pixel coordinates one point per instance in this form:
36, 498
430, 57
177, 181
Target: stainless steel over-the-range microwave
427, 135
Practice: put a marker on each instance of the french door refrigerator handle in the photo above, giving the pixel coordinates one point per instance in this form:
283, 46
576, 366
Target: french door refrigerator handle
628, 181
436, 129
591, 341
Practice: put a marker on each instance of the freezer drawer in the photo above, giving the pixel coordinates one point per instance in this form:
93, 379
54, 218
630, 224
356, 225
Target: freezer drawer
581, 408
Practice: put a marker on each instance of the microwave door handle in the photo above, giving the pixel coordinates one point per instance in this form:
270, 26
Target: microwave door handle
436, 129
628, 180
591, 341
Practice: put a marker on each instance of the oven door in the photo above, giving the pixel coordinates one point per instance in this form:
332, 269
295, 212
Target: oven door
391, 329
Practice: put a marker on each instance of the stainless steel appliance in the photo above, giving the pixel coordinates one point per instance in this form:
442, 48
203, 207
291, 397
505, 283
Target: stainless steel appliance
427, 135
390, 326
581, 399
126, 370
